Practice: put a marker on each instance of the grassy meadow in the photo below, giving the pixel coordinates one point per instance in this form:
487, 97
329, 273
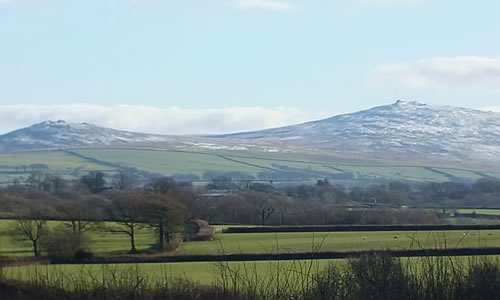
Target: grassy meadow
479, 211
208, 272
202, 272
235, 243
16, 165
171, 162
168, 162
102, 242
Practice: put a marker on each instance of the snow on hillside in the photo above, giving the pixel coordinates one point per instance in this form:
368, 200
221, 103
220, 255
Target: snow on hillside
403, 127
60, 134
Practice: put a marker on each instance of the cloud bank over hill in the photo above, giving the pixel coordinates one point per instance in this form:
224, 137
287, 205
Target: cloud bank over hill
150, 119
443, 72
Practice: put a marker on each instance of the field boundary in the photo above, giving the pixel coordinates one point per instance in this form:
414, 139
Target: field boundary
347, 228
287, 256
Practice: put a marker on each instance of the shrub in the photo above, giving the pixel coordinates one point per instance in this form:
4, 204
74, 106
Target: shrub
378, 277
198, 230
63, 245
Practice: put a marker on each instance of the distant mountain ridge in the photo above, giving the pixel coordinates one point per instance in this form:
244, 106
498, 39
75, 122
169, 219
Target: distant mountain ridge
404, 128
409, 127
62, 134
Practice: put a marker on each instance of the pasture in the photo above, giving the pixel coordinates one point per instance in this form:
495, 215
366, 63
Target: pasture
266, 272
202, 272
340, 241
198, 162
104, 242
479, 211
17, 165
168, 162
101, 241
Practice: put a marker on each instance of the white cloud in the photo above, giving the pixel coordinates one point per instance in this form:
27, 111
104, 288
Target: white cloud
274, 5
442, 72
169, 120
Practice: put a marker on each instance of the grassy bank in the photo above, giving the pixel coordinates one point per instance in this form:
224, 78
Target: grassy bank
369, 277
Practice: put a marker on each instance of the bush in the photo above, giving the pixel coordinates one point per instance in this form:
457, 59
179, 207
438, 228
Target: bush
63, 245
82, 254
198, 230
378, 277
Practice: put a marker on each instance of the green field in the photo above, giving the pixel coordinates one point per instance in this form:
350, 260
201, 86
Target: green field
494, 212
16, 165
58, 160
101, 241
460, 173
233, 243
171, 162
168, 162
339, 241
202, 272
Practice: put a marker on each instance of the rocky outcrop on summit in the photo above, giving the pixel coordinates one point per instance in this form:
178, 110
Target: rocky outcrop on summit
61, 134
403, 127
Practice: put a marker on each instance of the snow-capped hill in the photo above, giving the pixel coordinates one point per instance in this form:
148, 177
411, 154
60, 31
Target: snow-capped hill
405, 129
61, 134
409, 127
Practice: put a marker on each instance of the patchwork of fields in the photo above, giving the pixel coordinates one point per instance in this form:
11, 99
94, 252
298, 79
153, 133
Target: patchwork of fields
199, 165
103, 242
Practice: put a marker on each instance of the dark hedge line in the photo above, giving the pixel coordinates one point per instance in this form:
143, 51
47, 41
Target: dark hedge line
478, 216
287, 256
343, 228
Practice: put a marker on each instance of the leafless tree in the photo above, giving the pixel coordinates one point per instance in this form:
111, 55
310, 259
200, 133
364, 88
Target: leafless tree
31, 226
77, 215
165, 214
263, 204
125, 209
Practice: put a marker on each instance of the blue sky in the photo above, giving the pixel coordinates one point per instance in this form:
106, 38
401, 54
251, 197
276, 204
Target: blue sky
206, 66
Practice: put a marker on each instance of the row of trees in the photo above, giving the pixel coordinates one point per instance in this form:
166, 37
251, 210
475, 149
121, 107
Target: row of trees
164, 205
161, 205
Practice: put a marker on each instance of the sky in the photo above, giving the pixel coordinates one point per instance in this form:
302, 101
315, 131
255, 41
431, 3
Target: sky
214, 66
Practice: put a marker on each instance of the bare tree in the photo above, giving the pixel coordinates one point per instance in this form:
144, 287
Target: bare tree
263, 204
283, 207
36, 179
165, 214
77, 215
125, 209
125, 181
31, 226
230, 208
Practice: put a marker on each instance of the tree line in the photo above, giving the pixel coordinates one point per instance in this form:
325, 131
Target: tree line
164, 206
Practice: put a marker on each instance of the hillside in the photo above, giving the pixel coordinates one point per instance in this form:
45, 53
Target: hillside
409, 128
407, 141
62, 134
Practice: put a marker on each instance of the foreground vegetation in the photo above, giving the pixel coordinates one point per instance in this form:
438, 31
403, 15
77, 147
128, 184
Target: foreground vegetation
370, 277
